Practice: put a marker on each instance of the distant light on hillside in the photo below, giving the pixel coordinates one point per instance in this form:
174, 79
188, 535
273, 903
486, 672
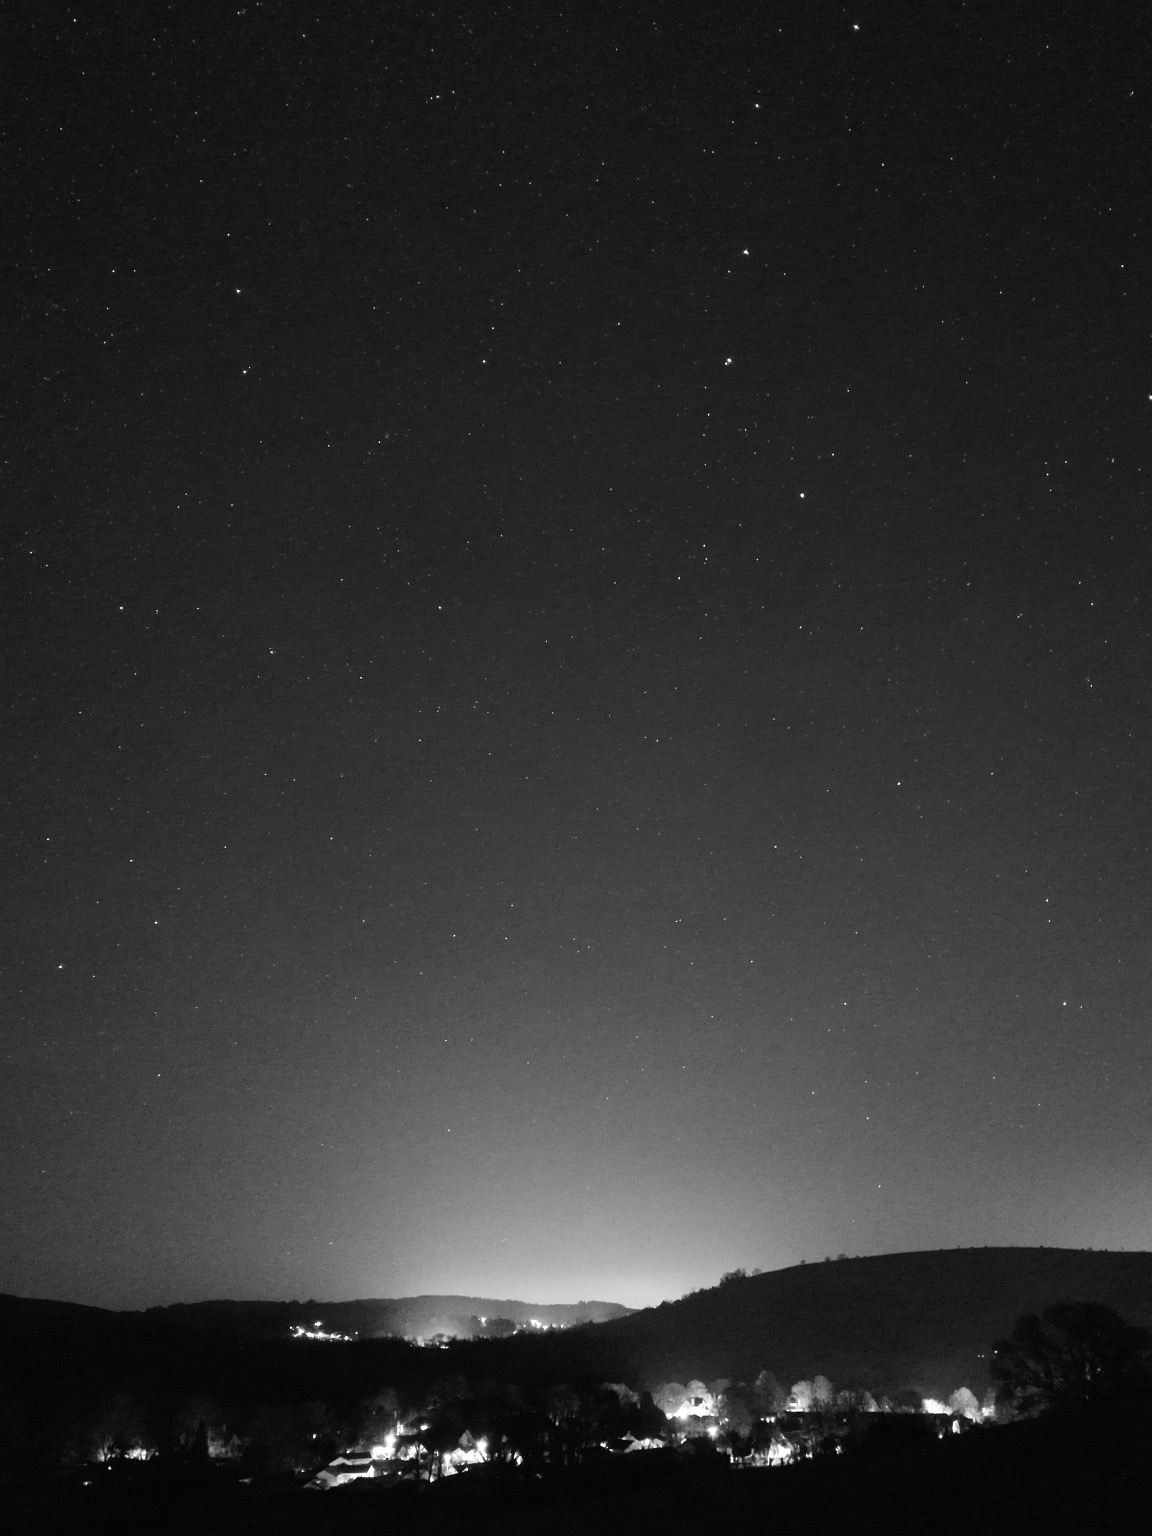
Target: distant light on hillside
300, 1331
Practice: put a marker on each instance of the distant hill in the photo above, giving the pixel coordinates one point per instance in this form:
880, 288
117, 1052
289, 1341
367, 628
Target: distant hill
244, 1351
922, 1320
30, 1311
399, 1317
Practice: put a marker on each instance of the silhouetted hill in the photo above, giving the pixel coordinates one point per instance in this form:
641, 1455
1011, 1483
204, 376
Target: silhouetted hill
72, 1329
403, 1317
924, 1320
921, 1320
64, 1314
91, 1348
54, 1353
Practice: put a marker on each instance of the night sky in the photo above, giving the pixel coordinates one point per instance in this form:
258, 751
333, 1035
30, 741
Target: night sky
577, 624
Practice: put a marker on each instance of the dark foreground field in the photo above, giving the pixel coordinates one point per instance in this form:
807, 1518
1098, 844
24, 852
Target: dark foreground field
1040, 1477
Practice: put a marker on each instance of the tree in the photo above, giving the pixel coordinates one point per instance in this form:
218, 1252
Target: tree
669, 1397
771, 1395
189, 1416
291, 1437
115, 1429
198, 1449
575, 1415
898, 1434
1075, 1355
650, 1422
441, 1436
380, 1416
736, 1407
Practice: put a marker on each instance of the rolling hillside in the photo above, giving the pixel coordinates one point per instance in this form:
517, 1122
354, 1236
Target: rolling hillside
920, 1320
402, 1317
923, 1320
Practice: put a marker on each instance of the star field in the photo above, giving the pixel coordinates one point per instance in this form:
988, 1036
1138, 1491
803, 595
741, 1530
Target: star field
577, 627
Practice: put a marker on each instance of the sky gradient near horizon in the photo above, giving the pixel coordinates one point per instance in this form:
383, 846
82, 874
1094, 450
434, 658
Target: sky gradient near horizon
577, 620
